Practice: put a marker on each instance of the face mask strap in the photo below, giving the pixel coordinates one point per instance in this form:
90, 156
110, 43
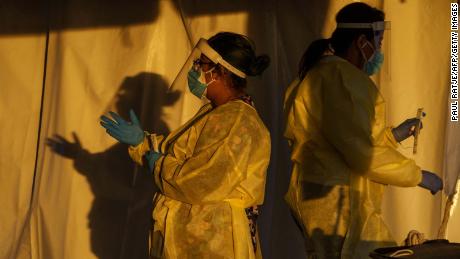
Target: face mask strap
210, 70
212, 79
364, 54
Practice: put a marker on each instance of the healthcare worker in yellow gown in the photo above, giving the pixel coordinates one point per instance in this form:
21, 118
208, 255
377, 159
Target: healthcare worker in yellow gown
210, 171
343, 152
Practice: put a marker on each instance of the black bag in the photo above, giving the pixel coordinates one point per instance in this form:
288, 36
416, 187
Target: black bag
432, 249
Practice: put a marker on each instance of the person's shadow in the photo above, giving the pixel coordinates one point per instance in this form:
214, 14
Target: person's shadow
120, 217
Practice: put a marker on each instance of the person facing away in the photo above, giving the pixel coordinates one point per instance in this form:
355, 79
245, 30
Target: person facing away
343, 152
210, 171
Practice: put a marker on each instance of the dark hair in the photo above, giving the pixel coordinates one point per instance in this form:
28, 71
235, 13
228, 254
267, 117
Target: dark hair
239, 51
341, 38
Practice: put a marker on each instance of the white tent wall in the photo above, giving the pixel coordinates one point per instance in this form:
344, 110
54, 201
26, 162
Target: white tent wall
417, 75
452, 172
18, 132
89, 200
22, 58
86, 199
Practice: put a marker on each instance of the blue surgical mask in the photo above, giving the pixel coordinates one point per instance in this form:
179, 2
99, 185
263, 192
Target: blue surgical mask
373, 63
197, 83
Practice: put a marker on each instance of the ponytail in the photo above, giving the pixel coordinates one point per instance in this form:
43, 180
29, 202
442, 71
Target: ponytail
312, 55
341, 38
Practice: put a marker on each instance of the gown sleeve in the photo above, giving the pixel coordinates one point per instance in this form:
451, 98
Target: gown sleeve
348, 123
137, 152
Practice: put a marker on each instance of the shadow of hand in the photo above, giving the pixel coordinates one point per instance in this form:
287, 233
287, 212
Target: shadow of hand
63, 147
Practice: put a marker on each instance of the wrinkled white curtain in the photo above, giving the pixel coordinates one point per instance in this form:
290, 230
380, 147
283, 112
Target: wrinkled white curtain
65, 63
419, 77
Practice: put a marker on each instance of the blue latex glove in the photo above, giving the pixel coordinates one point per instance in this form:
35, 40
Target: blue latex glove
151, 158
431, 181
124, 131
406, 129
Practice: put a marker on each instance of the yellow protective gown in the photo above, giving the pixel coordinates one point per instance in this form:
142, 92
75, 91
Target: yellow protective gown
343, 155
213, 168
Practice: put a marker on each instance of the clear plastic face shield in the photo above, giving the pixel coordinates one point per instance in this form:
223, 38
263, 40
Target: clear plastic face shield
196, 75
199, 65
381, 30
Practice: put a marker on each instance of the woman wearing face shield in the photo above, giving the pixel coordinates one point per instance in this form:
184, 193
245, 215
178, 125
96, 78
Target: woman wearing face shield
343, 151
210, 171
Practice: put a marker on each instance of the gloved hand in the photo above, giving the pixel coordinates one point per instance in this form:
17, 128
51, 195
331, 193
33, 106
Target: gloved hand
124, 131
431, 182
406, 129
151, 158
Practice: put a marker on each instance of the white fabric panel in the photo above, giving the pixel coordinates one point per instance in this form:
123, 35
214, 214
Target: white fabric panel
452, 175
85, 206
417, 34
21, 74
452, 156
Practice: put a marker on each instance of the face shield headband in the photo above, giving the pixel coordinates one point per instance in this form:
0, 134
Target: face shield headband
215, 57
376, 27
